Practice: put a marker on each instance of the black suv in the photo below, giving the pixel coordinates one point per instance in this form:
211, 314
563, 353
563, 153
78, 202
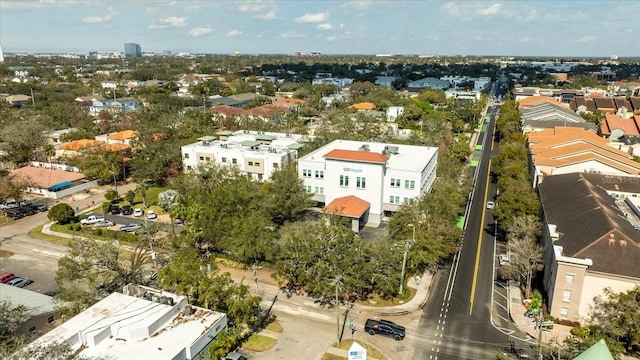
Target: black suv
126, 210
386, 328
114, 209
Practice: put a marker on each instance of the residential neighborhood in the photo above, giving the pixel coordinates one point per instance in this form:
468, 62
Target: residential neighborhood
194, 207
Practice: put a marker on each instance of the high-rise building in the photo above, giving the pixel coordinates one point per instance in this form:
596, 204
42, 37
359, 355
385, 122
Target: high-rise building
132, 50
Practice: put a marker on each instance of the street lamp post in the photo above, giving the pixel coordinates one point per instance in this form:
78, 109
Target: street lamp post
115, 182
407, 246
336, 282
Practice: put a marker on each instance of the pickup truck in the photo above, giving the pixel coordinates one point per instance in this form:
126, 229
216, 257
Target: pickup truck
92, 219
386, 328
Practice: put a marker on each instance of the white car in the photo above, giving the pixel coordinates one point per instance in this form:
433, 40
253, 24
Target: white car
106, 223
138, 212
503, 259
151, 214
490, 205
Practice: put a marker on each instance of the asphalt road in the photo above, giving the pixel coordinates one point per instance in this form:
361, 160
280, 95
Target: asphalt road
456, 322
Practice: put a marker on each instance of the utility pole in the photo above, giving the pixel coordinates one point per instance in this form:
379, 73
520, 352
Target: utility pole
336, 282
255, 275
115, 182
407, 247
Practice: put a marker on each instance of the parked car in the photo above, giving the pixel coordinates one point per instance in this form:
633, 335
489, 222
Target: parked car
92, 219
11, 204
42, 207
126, 210
14, 214
490, 204
106, 223
235, 356
114, 210
151, 214
386, 328
503, 259
28, 209
138, 212
20, 282
6, 277
130, 227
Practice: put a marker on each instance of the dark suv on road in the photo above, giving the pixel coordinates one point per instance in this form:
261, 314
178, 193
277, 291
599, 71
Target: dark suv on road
114, 209
126, 210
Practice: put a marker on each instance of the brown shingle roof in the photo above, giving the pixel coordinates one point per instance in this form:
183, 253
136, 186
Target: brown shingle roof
81, 144
226, 110
590, 224
123, 135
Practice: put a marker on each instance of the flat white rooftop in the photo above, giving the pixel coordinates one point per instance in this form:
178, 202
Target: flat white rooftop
144, 325
406, 157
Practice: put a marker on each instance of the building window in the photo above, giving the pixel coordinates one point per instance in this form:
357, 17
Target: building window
201, 158
250, 163
564, 313
257, 164
306, 173
344, 181
50, 320
224, 159
321, 192
566, 295
259, 176
361, 183
186, 155
307, 188
32, 330
406, 200
570, 278
234, 161
409, 184
275, 165
394, 199
207, 159
319, 174
395, 182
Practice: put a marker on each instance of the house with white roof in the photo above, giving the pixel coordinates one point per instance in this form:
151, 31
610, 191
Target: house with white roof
141, 322
365, 180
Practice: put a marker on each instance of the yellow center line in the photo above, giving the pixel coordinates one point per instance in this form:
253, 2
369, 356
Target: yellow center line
475, 270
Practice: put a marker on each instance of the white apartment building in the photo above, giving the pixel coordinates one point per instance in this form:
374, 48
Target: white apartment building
363, 180
256, 153
140, 323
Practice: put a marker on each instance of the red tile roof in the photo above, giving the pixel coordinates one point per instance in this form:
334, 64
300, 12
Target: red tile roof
611, 122
351, 206
226, 110
355, 155
123, 135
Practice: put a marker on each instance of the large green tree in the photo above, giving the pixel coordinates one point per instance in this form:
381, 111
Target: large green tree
286, 199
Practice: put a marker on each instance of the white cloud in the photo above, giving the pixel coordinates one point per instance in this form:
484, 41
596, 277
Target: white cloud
97, 19
170, 22
325, 26
34, 5
292, 34
312, 18
200, 31
450, 9
269, 15
254, 6
489, 11
585, 39
234, 33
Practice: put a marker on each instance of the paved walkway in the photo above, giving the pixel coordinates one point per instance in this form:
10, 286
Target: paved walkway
527, 325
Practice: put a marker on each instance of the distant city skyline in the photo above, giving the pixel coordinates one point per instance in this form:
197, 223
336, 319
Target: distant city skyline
550, 28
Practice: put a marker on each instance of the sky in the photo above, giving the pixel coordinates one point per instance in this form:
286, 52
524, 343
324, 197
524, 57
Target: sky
574, 28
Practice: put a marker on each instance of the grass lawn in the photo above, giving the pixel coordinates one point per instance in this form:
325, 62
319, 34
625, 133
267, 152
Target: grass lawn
98, 234
4, 254
376, 300
5, 220
372, 352
275, 327
36, 233
257, 342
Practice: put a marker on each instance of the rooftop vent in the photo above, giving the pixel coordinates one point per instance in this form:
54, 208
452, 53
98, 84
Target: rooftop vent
188, 310
364, 147
392, 149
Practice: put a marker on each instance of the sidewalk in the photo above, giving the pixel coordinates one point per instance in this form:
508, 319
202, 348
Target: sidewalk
527, 325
